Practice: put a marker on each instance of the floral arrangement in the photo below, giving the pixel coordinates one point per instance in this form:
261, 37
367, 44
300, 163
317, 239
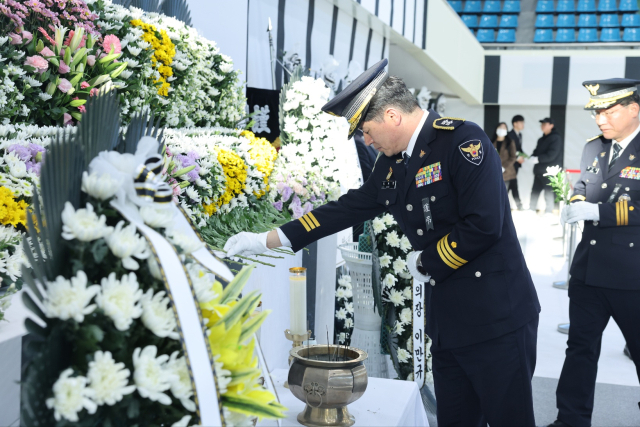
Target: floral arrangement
397, 294
559, 183
163, 52
343, 324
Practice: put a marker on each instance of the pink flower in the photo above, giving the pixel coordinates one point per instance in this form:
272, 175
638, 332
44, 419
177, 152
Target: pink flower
63, 68
111, 42
47, 52
94, 91
91, 60
37, 62
84, 85
82, 109
48, 37
64, 85
67, 120
15, 39
26, 36
67, 42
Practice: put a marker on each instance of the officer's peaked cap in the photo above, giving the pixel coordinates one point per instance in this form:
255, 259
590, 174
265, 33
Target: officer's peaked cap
353, 102
609, 92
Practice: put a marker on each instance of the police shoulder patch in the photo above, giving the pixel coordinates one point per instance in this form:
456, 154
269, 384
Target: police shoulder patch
447, 123
472, 151
594, 138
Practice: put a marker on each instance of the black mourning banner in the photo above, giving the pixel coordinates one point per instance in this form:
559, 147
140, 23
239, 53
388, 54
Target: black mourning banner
264, 105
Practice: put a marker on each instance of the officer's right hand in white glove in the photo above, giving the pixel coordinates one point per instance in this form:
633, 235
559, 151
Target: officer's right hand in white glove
534, 160
580, 211
246, 244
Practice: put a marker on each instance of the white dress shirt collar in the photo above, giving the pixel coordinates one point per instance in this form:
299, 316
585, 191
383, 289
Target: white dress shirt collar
625, 142
414, 137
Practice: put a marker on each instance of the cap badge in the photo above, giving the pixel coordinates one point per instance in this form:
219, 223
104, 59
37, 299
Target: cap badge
422, 153
593, 89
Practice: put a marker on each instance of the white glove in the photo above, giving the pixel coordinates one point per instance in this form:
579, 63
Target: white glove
534, 160
580, 211
412, 264
246, 244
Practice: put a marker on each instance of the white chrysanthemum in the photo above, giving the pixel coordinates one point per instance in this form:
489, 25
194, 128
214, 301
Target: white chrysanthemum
405, 275
202, 283
389, 280
410, 377
348, 293
184, 421
125, 243
348, 323
69, 299
398, 328
408, 293
223, 375
150, 374
349, 307
340, 293
341, 314
410, 344
378, 225
187, 243
70, 396
553, 170
388, 219
396, 297
385, 261
399, 265
101, 187
192, 193
405, 245
83, 224
406, 315
345, 280
154, 267
156, 217
120, 299
108, 379
181, 384
403, 355
393, 239
342, 337
158, 316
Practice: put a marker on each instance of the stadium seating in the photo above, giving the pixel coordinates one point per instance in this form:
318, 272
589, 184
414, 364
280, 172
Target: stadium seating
506, 35
607, 6
631, 35
588, 35
470, 20
566, 20
486, 36
565, 6
511, 6
544, 21
472, 6
456, 5
543, 35
488, 21
545, 6
610, 35
631, 20
628, 6
509, 21
491, 6
565, 35
609, 20
587, 20
586, 6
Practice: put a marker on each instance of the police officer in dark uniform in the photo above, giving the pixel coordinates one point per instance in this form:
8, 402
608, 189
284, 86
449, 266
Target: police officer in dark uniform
605, 279
441, 179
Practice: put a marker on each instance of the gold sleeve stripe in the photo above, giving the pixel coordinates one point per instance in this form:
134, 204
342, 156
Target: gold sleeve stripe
625, 209
444, 257
304, 223
578, 197
450, 251
313, 218
448, 255
618, 213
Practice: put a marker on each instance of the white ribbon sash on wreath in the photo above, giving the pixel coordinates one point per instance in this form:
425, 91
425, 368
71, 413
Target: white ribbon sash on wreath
419, 336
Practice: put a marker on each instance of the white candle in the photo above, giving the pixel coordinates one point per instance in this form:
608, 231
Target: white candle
298, 300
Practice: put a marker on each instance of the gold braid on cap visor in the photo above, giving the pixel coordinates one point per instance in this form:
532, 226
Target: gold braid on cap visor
596, 103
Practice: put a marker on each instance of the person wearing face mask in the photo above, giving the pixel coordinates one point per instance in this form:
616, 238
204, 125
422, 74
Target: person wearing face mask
548, 152
506, 148
516, 135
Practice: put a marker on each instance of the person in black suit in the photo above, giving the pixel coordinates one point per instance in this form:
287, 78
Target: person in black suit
605, 277
515, 134
441, 179
548, 152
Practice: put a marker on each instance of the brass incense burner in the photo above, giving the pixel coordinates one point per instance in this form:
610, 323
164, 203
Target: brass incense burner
327, 378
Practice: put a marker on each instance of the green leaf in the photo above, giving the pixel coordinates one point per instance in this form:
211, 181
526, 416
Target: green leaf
99, 250
252, 325
234, 288
236, 312
248, 406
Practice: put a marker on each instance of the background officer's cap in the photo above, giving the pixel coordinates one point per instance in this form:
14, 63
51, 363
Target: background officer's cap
609, 92
353, 102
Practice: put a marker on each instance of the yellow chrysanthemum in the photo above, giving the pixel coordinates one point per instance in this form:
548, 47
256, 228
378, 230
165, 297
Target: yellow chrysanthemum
264, 155
12, 212
163, 52
235, 170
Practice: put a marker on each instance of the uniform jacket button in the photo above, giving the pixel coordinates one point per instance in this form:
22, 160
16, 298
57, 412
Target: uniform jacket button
593, 242
478, 274
419, 232
595, 223
432, 282
630, 245
409, 208
626, 188
604, 185
386, 203
433, 198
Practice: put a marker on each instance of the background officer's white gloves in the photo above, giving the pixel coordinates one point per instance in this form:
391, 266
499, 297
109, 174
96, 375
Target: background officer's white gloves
412, 263
246, 244
580, 211
534, 160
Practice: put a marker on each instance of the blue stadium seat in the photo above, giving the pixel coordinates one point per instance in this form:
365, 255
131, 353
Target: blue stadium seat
544, 21
511, 6
486, 36
631, 20
506, 35
470, 20
472, 6
456, 5
588, 35
610, 35
545, 6
628, 6
607, 6
609, 20
631, 35
488, 21
491, 6
508, 21
566, 20
565, 35
543, 36
586, 6
565, 6
587, 20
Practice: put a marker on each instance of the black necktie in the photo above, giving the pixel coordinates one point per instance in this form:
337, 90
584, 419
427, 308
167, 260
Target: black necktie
616, 153
406, 160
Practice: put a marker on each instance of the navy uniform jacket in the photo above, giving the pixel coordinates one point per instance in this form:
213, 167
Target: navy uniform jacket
482, 285
608, 254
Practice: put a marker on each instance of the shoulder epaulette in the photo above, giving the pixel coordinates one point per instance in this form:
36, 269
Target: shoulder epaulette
374, 163
447, 123
594, 138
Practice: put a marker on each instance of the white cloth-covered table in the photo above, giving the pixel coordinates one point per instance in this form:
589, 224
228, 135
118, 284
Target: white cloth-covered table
385, 403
